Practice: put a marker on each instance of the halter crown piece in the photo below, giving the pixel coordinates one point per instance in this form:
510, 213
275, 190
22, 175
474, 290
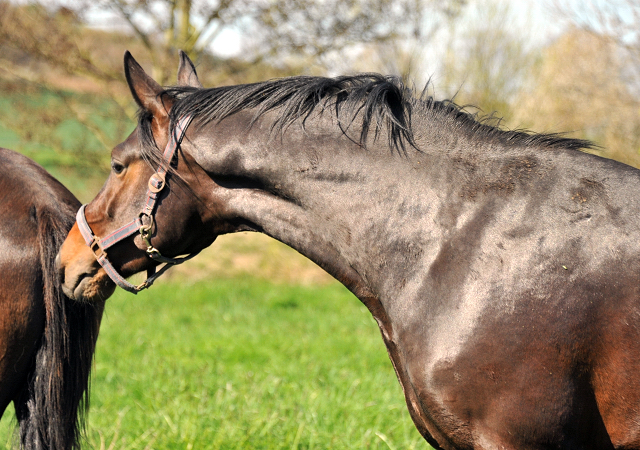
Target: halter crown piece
157, 183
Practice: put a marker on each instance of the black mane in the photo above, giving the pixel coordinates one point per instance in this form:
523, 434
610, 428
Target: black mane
381, 102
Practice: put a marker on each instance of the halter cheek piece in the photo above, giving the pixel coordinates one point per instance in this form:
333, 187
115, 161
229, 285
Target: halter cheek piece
157, 183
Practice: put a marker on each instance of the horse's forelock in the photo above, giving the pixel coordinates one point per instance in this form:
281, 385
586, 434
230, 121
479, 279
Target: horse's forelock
149, 150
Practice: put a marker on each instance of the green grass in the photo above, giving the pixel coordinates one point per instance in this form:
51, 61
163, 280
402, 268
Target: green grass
70, 134
243, 364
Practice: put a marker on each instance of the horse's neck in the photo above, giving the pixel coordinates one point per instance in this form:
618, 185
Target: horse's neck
358, 213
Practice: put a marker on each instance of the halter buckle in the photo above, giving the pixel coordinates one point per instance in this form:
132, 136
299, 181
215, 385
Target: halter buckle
96, 248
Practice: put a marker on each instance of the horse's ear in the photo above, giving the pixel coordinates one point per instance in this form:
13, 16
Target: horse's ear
146, 92
187, 75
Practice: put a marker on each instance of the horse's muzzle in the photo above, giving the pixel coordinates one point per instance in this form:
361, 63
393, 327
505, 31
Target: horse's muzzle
81, 278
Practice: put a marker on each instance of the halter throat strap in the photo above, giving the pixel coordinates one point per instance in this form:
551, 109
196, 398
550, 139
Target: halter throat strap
156, 185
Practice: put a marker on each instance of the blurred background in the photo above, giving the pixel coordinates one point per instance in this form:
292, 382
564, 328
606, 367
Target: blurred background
544, 65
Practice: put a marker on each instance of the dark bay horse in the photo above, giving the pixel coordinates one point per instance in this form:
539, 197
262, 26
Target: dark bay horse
46, 339
502, 267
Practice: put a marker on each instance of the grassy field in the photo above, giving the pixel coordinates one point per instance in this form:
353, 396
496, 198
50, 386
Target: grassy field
243, 363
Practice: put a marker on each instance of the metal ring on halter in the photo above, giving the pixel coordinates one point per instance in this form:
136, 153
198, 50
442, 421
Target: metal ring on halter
157, 182
146, 229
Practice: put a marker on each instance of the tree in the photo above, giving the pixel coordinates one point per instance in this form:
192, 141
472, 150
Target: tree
303, 34
618, 20
487, 62
616, 25
581, 87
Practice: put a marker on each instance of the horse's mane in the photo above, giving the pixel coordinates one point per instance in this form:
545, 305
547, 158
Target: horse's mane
381, 102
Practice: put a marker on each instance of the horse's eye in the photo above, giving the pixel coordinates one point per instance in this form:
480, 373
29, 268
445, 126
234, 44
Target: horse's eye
117, 167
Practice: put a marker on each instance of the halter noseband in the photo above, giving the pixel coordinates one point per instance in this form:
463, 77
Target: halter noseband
157, 183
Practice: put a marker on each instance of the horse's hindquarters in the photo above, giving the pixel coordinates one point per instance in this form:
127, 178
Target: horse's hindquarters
22, 318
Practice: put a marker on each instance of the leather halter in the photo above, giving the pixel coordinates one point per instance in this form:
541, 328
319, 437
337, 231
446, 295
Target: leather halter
157, 183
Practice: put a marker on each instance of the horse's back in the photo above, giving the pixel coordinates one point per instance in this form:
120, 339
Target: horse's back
28, 195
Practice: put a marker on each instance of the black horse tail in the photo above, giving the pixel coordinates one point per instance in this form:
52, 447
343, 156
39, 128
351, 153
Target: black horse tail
59, 383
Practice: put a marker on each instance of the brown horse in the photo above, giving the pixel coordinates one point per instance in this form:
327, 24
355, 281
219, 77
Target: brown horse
46, 339
502, 267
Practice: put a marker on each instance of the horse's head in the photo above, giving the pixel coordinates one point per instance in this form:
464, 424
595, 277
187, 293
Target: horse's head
172, 225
